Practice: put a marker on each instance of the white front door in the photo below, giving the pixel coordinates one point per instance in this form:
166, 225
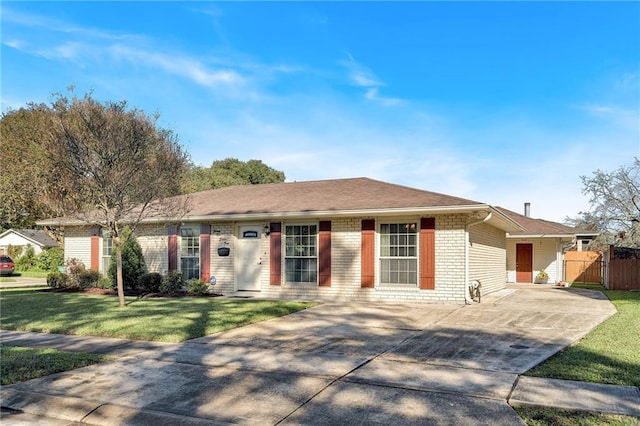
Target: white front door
248, 263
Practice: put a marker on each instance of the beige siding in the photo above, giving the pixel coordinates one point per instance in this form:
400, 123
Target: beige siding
547, 255
487, 257
77, 244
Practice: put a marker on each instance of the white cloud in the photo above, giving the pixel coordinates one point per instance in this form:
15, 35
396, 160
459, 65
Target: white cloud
178, 65
361, 76
373, 95
49, 24
16, 44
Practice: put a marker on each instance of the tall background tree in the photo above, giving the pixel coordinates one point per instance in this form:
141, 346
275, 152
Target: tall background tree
114, 166
229, 172
615, 206
28, 190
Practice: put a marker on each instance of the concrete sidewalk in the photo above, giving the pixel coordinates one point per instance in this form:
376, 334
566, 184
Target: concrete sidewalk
16, 282
335, 363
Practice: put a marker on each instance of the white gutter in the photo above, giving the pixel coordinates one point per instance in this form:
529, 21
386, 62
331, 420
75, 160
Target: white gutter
231, 216
467, 241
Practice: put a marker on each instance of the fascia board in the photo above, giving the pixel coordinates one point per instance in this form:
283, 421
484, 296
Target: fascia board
514, 236
331, 213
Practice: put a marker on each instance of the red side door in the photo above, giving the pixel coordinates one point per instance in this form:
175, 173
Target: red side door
524, 263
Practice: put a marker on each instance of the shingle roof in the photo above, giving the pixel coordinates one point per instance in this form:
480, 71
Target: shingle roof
317, 196
336, 197
36, 235
534, 226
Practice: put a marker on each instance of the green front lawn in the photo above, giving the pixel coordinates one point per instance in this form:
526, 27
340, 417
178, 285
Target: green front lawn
542, 416
609, 354
20, 364
158, 319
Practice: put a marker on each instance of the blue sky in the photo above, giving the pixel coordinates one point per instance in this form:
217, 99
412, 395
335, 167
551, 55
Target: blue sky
498, 102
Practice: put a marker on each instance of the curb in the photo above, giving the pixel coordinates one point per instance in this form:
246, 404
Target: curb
574, 395
83, 411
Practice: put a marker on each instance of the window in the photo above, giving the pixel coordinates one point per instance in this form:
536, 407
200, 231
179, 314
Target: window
190, 252
107, 251
301, 253
398, 253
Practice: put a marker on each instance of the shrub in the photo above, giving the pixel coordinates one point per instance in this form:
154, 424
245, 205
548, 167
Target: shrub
27, 260
56, 280
89, 278
74, 268
50, 259
14, 252
150, 282
197, 287
133, 264
104, 282
172, 283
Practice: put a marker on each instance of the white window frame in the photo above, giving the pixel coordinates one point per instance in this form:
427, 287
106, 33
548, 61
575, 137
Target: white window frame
188, 252
401, 249
106, 251
290, 243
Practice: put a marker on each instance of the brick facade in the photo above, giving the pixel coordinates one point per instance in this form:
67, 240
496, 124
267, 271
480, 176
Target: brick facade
486, 256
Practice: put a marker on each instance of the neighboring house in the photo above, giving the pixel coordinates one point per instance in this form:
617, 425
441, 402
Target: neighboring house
357, 239
24, 238
541, 245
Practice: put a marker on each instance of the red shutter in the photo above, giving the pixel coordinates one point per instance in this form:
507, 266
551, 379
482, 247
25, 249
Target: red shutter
427, 253
173, 248
324, 254
275, 253
95, 249
205, 252
368, 253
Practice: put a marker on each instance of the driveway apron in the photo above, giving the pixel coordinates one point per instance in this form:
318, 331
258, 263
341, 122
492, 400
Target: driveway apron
336, 363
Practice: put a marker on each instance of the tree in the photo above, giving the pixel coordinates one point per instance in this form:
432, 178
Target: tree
615, 205
229, 172
27, 188
114, 166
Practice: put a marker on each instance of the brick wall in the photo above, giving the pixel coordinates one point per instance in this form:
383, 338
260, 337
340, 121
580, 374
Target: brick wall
345, 255
222, 235
450, 243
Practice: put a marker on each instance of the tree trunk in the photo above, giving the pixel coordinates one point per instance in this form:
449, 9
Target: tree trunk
119, 280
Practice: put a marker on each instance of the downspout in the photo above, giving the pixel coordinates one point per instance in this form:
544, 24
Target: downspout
467, 299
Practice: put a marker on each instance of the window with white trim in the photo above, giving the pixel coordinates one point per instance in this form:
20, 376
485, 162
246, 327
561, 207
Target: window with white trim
107, 251
190, 251
398, 253
301, 253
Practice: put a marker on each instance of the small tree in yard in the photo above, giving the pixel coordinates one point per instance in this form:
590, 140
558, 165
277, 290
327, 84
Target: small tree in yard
115, 166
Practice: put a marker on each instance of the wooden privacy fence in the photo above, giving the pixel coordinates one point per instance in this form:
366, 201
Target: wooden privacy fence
623, 274
583, 267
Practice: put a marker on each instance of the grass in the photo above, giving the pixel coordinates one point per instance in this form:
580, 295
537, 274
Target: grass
542, 416
609, 354
156, 319
20, 364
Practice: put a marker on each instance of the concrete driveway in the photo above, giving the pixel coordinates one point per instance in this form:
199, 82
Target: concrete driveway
342, 363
